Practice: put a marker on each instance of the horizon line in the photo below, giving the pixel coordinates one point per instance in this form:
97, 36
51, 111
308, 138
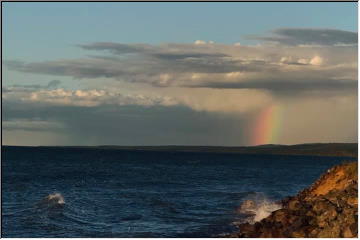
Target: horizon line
174, 145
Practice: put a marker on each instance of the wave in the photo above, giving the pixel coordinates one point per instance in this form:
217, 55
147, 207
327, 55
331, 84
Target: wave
52, 201
257, 207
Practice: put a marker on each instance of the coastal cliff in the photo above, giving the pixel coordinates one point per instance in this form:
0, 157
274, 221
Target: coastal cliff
328, 208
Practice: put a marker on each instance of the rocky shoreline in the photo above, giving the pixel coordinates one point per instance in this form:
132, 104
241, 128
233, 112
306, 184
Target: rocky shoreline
328, 208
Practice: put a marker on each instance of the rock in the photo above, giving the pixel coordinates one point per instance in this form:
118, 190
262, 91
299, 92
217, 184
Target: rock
320, 206
280, 216
353, 201
298, 234
328, 208
329, 232
247, 228
310, 213
294, 205
266, 233
347, 233
354, 229
314, 233
330, 213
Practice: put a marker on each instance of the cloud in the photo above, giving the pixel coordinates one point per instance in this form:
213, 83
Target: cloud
201, 121
331, 119
199, 42
32, 125
113, 124
90, 97
309, 36
286, 68
291, 82
187, 93
78, 68
316, 60
118, 48
53, 84
31, 87
293, 86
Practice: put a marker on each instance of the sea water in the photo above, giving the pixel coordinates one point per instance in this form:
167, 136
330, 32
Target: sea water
88, 192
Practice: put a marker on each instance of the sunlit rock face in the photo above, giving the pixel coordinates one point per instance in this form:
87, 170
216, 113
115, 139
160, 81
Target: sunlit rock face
328, 208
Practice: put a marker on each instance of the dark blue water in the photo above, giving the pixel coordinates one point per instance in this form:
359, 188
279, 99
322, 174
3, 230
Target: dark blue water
113, 193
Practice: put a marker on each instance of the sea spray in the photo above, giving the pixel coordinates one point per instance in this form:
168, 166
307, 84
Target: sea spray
257, 207
52, 200
264, 209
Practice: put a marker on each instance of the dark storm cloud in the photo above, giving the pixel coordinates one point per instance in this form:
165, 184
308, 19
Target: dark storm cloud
116, 68
51, 84
177, 56
131, 124
80, 68
31, 126
308, 36
286, 86
154, 51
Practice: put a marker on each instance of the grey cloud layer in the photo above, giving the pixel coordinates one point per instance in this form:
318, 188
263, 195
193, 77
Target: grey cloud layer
135, 123
279, 69
291, 86
125, 125
29, 88
308, 36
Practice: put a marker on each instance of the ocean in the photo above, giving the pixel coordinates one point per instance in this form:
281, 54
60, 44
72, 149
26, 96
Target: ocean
89, 192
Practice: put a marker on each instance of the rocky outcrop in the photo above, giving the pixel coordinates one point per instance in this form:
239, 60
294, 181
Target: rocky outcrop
328, 208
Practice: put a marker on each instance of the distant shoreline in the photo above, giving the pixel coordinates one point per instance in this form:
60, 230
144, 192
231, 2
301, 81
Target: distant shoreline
314, 149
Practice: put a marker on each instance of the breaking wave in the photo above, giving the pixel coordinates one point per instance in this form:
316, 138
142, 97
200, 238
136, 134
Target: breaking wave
52, 200
257, 207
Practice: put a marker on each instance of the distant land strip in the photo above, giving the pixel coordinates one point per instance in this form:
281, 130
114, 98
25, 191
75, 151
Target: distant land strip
314, 149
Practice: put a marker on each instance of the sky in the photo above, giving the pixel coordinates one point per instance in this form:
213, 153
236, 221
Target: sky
225, 74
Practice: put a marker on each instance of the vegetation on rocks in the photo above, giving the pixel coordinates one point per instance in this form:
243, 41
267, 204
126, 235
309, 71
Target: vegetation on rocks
328, 208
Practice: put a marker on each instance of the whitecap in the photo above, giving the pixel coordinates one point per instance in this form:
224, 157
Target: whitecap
52, 200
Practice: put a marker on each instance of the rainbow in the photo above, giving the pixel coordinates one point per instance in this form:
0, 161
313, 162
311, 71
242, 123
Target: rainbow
267, 126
